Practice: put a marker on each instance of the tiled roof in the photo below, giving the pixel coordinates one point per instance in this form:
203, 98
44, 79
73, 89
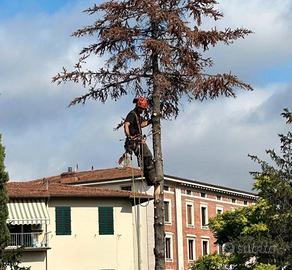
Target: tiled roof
93, 175
37, 189
103, 175
26, 189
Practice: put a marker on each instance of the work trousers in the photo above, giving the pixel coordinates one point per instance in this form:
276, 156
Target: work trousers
144, 157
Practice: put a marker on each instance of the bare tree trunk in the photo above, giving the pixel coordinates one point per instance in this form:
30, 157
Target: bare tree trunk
159, 249
159, 233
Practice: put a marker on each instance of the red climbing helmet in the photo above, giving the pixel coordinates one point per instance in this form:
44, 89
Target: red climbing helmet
142, 103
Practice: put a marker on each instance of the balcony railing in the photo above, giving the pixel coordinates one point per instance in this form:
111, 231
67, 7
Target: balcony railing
29, 240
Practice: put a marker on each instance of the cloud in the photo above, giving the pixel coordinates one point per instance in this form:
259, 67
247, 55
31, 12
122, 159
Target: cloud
35, 119
270, 45
211, 141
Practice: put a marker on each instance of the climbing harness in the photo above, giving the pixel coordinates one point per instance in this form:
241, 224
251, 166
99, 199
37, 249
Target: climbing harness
136, 145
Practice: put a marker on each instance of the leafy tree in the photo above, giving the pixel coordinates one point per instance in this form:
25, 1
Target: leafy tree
211, 262
262, 233
154, 48
12, 259
222, 262
265, 267
9, 259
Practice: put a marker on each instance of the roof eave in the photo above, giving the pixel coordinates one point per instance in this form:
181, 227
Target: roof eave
211, 187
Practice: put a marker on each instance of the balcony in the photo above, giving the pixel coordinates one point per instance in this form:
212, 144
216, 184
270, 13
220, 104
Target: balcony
29, 241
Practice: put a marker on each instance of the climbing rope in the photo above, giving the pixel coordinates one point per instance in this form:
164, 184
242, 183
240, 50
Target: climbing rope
143, 182
149, 133
139, 199
143, 186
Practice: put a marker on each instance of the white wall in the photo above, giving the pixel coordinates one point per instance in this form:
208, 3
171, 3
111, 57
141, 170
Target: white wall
144, 215
85, 248
35, 259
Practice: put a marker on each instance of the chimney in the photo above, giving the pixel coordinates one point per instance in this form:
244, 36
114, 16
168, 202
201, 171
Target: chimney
69, 173
46, 183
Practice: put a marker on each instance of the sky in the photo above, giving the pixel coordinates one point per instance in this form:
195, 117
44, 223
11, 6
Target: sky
209, 141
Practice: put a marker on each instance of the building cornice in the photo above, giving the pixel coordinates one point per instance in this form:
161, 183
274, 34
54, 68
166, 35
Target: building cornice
183, 182
210, 187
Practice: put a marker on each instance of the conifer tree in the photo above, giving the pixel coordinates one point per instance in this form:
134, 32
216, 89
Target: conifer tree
4, 232
153, 48
9, 258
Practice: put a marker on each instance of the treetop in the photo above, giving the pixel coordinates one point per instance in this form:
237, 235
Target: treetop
130, 34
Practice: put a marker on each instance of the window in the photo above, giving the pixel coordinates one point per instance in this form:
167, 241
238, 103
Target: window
191, 249
204, 216
205, 247
219, 198
203, 195
233, 200
245, 203
168, 248
190, 215
166, 188
27, 236
63, 220
167, 213
220, 249
126, 188
106, 220
189, 192
219, 210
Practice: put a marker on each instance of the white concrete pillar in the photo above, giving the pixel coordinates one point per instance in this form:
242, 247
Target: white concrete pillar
179, 230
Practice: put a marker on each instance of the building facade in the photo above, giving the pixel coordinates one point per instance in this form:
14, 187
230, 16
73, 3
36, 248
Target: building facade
188, 208
67, 227
189, 205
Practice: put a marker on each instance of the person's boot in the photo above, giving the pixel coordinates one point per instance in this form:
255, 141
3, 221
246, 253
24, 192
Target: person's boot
148, 180
151, 175
149, 172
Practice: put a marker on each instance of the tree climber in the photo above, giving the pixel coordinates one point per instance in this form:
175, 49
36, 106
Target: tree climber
135, 142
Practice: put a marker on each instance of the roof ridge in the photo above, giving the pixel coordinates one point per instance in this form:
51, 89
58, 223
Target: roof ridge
74, 174
18, 190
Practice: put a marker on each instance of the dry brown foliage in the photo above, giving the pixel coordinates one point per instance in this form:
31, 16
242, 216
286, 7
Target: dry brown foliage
124, 32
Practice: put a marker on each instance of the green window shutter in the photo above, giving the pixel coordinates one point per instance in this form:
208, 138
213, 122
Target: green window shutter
63, 220
106, 220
